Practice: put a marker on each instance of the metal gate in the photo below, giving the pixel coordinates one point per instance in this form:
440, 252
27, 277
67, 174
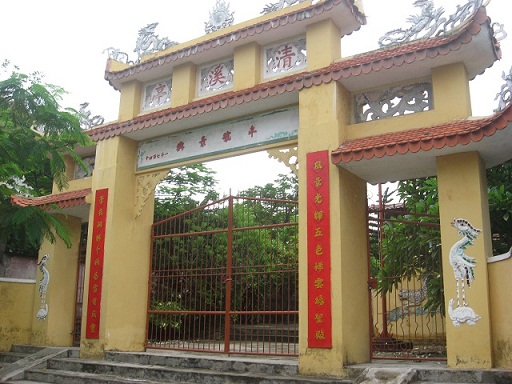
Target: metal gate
224, 278
405, 285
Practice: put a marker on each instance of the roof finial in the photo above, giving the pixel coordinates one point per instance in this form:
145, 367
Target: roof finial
220, 17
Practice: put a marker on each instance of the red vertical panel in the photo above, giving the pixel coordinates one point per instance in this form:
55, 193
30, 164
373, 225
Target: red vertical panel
319, 251
96, 268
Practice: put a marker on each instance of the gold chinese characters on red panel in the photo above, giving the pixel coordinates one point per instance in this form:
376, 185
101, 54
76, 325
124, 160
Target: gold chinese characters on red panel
319, 251
96, 268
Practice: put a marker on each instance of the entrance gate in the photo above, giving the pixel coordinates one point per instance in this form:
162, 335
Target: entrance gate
224, 278
405, 285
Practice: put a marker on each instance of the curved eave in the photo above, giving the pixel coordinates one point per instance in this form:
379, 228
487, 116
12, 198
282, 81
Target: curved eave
472, 44
407, 154
265, 31
73, 203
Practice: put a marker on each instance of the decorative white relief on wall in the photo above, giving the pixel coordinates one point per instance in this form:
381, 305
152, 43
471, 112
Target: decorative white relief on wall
43, 287
216, 77
285, 57
464, 272
157, 95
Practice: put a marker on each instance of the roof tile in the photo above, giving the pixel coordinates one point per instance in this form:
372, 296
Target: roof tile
460, 132
61, 200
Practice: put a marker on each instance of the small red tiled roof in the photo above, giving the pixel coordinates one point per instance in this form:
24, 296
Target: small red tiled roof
61, 200
460, 132
354, 66
240, 34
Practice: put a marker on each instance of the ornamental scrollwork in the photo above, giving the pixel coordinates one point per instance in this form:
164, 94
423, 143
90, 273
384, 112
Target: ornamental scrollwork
117, 55
220, 17
430, 22
146, 185
279, 5
287, 156
505, 94
86, 120
394, 101
499, 31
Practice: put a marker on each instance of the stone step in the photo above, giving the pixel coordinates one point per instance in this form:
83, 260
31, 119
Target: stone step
26, 349
211, 361
70, 377
159, 373
11, 357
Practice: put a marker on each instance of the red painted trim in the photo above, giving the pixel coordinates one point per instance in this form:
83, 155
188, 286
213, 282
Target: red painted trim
319, 251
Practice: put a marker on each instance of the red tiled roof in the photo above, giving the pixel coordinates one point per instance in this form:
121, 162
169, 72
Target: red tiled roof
232, 36
355, 66
451, 134
61, 200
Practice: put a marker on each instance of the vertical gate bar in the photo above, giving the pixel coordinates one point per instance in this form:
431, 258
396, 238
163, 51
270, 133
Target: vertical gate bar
381, 235
229, 256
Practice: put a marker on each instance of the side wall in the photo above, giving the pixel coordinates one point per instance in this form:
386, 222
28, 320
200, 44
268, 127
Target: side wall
501, 321
16, 303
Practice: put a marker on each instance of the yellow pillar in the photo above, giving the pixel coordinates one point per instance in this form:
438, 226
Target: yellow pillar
463, 194
130, 101
450, 85
324, 113
184, 84
122, 320
57, 328
247, 63
323, 42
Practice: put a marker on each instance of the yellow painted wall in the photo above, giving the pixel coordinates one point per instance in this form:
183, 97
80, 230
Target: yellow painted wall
17, 299
56, 330
501, 320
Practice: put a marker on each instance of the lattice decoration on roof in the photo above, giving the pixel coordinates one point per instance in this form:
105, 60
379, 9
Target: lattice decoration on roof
505, 94
396, 101
86, 120
430, 22
279, 5
220, 17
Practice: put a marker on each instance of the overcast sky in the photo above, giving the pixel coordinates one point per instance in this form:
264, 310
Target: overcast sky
65, 39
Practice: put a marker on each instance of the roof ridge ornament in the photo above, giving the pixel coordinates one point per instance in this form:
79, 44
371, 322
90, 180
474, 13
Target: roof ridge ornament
505, 94
220, 17
147, 42
86, 120
430, 22
279, 5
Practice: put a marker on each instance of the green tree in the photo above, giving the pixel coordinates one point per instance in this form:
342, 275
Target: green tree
35, 136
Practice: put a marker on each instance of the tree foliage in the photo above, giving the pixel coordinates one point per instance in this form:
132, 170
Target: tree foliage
413, 251
35, 136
